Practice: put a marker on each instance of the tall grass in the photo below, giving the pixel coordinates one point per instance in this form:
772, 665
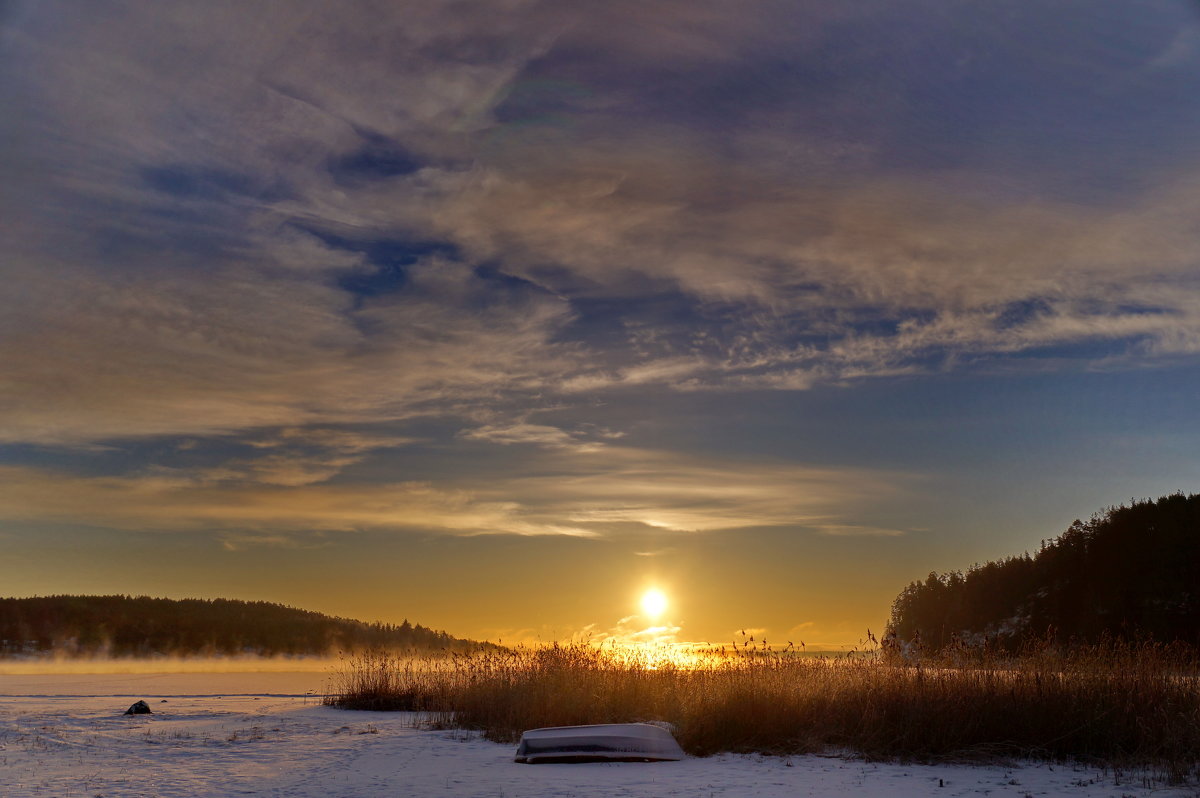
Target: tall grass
1120, 704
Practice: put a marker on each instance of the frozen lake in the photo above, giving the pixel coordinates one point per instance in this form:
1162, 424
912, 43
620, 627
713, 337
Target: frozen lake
264, 734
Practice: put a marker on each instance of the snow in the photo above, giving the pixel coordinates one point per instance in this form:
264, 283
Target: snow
217, 735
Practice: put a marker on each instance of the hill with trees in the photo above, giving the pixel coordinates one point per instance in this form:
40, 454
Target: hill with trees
124, 626
1128, 573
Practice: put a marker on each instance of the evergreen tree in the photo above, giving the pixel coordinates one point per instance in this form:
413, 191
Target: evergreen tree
1127, 573
128, 627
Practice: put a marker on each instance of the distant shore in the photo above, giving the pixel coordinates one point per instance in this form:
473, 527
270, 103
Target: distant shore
32, 665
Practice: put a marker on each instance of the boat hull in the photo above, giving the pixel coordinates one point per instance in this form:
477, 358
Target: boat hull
611, 742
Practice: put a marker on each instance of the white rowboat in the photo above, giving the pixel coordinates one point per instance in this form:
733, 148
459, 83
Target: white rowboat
608, 742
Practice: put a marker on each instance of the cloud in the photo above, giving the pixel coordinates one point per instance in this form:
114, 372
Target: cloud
290, 216
525, 433
895, 275
179, 502
627, 488
852, 530
241, 541
1182, 50
197, 357
299, 456
291, 470
632, 631
611, 492
275, 273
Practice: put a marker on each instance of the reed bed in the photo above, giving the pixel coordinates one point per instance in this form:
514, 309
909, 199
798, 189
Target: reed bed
1117, 704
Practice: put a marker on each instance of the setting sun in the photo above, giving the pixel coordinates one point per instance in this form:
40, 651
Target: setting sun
654, 603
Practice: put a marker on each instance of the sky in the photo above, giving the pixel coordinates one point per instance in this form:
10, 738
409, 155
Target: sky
493, 315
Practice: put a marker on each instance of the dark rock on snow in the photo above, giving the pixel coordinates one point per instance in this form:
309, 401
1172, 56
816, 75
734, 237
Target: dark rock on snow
139, 708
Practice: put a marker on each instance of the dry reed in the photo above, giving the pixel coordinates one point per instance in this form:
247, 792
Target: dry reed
1118, 704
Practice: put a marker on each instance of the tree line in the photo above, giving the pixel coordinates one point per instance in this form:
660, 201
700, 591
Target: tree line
125, 626
1132, 572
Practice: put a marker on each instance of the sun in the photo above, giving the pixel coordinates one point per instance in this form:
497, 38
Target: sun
654, 603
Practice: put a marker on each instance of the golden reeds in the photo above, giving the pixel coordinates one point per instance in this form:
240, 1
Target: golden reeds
1116, 703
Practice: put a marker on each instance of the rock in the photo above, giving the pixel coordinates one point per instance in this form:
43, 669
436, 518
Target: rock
139, 708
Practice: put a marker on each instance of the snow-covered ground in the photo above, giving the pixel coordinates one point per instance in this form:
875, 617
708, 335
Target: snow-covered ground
226, 734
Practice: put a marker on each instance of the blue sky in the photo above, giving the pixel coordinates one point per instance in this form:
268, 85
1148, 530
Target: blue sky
439, 310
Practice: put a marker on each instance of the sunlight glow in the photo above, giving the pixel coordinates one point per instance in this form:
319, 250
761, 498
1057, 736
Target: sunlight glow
654, 603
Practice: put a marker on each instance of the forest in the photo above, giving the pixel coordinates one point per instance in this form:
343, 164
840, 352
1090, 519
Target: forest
125, 626
1130, 573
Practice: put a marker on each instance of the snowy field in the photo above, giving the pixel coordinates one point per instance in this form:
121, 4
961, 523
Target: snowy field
229, 734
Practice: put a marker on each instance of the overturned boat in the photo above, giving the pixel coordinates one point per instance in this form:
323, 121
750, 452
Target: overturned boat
607, 742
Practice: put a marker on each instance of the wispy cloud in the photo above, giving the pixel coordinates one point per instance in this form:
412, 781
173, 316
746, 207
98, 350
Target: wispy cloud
533, 434
854, 530
277, 273
221, 233
181, 502
613, 491
300, 456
